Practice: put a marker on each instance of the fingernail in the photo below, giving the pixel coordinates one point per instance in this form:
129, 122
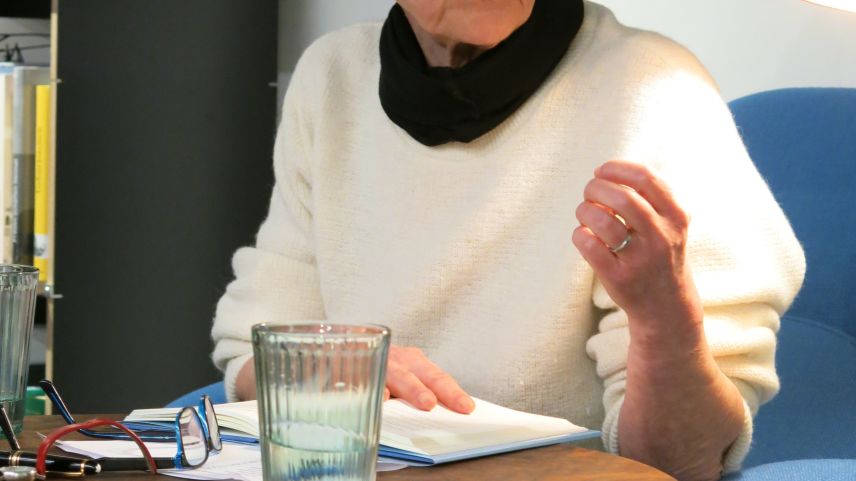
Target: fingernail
466, 403
426, 400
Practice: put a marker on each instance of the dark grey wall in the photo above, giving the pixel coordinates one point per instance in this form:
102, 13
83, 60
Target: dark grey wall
165, 129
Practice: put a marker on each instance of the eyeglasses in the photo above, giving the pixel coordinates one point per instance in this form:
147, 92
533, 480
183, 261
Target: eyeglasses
195, 436
27, 466
149, 431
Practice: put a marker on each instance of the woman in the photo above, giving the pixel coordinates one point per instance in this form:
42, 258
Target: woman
508, 185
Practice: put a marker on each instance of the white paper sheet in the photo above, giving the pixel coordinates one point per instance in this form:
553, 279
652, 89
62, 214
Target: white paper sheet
242, 462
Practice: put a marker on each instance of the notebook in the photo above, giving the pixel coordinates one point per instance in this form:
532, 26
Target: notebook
409, 434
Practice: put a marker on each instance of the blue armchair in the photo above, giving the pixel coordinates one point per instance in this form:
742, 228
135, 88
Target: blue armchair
803, 142
216, 391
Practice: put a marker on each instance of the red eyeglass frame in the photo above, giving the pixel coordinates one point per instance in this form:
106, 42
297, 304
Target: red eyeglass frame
55, 435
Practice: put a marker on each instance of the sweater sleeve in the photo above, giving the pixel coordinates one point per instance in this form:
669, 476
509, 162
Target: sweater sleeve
746, 261
276, 280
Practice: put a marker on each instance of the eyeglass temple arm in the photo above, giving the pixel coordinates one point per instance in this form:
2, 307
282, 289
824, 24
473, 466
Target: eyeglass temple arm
52, 393
49, 441
8, 431
49, 389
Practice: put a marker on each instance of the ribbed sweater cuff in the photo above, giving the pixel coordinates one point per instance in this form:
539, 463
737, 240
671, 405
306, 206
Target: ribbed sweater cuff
738, 451
609, 431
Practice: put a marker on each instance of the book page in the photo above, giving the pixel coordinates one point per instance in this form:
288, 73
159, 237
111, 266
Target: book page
442, 431
239, 416
431, 433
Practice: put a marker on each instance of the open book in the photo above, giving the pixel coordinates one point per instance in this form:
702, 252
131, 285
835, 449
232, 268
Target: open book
419, 437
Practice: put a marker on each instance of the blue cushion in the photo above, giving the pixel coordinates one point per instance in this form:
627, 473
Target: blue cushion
814, 415
216, 391
804, 144
803, 470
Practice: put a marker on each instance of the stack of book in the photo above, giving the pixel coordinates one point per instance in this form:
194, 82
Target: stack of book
25, 117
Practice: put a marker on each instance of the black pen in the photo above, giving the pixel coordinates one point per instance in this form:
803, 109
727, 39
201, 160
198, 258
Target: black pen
53, 463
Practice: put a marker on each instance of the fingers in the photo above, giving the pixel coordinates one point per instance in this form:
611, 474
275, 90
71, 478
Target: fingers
642, 180
402, 383
444, 386
593, 250
647, 268
386, 394
602, 223
414, 378
621, 200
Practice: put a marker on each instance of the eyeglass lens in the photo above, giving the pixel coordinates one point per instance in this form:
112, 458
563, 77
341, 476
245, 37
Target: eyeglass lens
192, 437
213, 425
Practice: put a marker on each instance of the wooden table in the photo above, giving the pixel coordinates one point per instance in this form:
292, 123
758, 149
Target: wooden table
552, 463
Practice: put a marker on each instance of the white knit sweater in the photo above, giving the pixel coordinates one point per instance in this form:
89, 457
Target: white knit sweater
464, 249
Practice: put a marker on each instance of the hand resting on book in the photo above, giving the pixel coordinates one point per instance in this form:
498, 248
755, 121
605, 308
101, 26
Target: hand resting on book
410, 376
413, 377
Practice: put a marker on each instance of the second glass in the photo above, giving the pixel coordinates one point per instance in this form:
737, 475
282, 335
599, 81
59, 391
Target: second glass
320, 390
17, 310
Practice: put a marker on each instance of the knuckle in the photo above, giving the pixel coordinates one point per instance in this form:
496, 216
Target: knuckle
413, 388
622, 203
394, 370
644, 182
643, 172
590, 188
678, 244
682, 219
402, 383
580, 211
578, 238
414, 391
437, 377
604, 223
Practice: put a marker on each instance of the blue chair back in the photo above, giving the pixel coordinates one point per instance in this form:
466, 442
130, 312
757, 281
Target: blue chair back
803, 142
216, 391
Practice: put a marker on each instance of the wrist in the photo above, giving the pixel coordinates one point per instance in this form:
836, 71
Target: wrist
676, 336
690, 365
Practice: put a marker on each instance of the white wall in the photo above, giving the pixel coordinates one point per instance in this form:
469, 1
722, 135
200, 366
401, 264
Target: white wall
302, 21
754, 45
748, 45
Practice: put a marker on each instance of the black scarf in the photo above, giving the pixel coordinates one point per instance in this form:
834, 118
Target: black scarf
436, 105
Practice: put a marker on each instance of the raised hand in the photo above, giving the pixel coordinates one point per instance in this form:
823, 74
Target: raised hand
634, 235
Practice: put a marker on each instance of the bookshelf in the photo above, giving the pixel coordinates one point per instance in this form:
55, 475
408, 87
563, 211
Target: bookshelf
163, 126
25, 28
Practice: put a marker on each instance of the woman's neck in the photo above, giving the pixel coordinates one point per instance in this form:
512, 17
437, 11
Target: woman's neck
442, 51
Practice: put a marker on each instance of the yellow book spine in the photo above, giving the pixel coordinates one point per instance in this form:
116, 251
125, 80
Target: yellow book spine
40, 221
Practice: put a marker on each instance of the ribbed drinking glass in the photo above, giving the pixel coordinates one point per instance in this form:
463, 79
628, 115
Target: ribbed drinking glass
320, 390
18, 286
